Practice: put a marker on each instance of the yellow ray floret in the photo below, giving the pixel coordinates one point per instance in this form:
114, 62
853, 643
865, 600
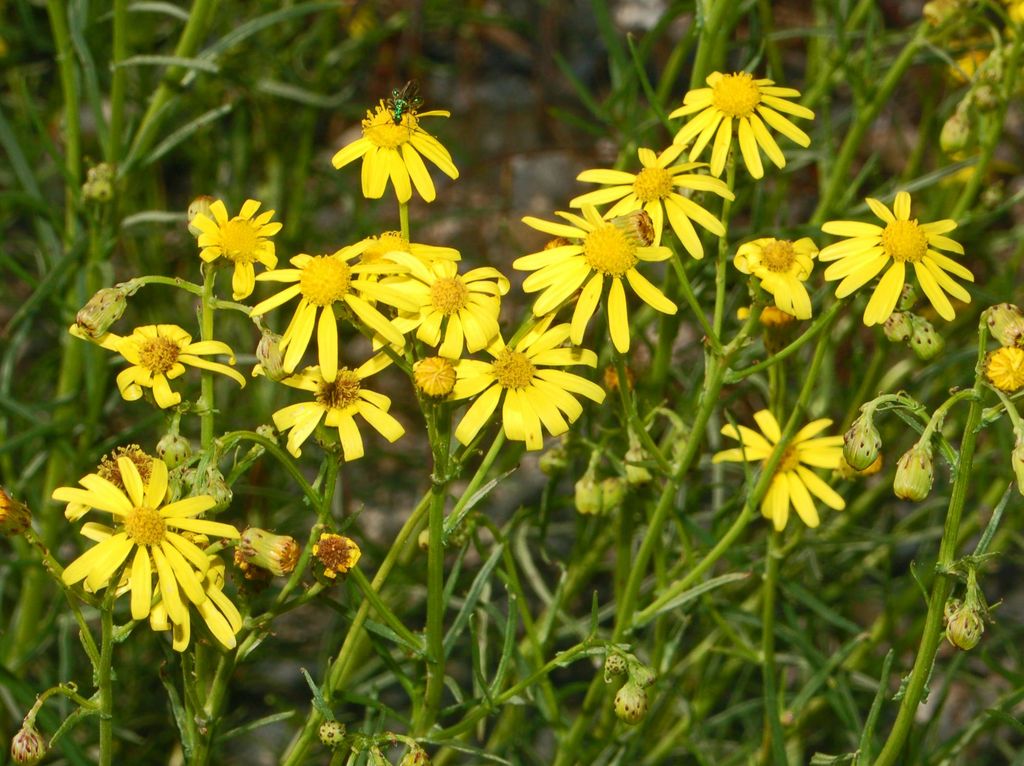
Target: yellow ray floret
597, 252
754, 106
782, 266
147, 537
526, 380
337, 400
902, 240
656, 190
243, 240
394, 151
793, 481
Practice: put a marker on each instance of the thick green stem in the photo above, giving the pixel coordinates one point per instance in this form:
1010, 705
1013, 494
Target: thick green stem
943, 583
103, 678
206, 403
117, 81
773, 736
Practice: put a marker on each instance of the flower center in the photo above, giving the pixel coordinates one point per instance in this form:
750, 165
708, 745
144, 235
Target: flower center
449, 295
1005, 368
736, 94
513, 370
380, 129
778, 255
158, 355
336, 552
111, 471
790, 460
652, 184
341, 392
385, 243
239, 240
325, 279
608, 250
904, 241
145, 526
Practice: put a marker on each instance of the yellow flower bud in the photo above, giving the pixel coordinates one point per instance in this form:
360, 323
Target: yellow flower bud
964, 625
15, 517
276, 553
1004, 368
631, 703
434, 376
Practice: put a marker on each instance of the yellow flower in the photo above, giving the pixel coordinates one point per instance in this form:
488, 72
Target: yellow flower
336, 401
322, 281
434, 376
337, 553
654, 189
902, 240
597, 249
783, 267
158, 354
242, 240
152, 530
392, 150
218, 612
378, 246
750, 102
525, 379
1004, 368
793, 482
461, 309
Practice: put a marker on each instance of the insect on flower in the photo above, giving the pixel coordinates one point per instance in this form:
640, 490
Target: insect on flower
404, 99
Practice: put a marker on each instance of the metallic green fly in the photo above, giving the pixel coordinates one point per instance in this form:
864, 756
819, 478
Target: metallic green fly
404, 99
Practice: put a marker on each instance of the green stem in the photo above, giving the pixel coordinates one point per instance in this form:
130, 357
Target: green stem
103, 678
943, 583
206, 403
58, 13
695, 307
191, 36
627, 397
403, 219
773, 735
721, 264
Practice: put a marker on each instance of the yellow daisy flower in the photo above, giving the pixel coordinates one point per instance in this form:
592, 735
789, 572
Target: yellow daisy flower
393, 150
337, 553
241, 240
526, 381
793, 482
453, 310
323, 281
783, 267
654, 189
751, 103
597, 249
218, 612
902, 240
152, 530
378, 246
158, 354
336, 401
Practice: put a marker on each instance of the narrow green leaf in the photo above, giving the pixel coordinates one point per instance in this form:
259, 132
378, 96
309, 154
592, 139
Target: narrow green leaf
168, 9
482, 579
689, 595
151, 59
186, 131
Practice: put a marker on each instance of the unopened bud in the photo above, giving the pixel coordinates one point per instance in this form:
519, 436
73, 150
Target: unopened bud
27, 746
276, 553
1017, 462
924, 341
914, 473
99, 183
1006, 324
631, 703
641, 675
15, 517
553, 461
103, 309
956, 133
332, 733
964, 624
416, 756
434, 376
908, 297
898, 327
614, 665
423, 539
862, 442
613, 492
637, 226
635, 455
211, 482
588, 494
174, 449
199, 206
268, 354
